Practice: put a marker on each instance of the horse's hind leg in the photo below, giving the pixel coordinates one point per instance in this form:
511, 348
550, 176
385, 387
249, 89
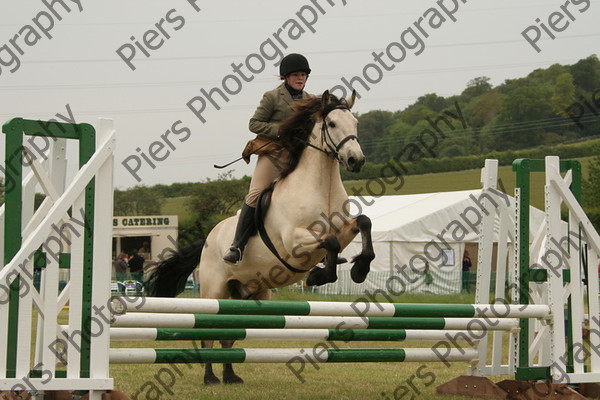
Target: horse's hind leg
209, 376
229, 376
321, 276
237, 290
362, 261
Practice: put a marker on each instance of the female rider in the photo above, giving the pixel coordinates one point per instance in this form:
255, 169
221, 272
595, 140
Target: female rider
275, 106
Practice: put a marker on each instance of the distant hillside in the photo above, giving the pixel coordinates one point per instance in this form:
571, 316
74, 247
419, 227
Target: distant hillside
546, 107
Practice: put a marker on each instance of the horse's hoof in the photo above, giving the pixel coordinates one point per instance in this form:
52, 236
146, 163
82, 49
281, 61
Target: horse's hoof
362, 266
233, 256
358, 276
318, 277
211, 380
232, 380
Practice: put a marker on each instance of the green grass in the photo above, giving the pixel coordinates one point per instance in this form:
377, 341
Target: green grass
276, 381
176, 206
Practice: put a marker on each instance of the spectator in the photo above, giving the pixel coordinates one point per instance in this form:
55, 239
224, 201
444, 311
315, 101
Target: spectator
466, 271
120, 265
136, 267
196, 276
144, 251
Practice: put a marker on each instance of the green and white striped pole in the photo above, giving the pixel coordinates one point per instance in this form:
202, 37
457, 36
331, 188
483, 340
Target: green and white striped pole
155, 334
122, 305
169, 356
149, 320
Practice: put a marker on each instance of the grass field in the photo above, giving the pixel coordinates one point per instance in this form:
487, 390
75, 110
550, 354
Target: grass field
276, 381
176, 206
427, 183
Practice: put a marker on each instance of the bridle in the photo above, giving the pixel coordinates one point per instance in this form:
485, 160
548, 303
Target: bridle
327, 140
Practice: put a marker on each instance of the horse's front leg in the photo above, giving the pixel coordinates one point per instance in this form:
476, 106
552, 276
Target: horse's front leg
321, 276
362, 261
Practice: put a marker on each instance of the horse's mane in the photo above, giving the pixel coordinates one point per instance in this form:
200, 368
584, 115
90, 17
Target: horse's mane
295, 130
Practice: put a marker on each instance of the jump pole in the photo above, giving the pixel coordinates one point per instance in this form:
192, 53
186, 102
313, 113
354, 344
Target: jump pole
150, 320
324, 308
398, 335
278, 355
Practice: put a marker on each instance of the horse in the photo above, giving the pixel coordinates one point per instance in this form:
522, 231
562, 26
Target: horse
308, 221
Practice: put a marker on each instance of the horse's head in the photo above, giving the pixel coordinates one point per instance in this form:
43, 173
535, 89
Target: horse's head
325, 124
339, 131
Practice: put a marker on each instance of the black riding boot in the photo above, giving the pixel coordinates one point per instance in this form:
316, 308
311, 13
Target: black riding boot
244, 229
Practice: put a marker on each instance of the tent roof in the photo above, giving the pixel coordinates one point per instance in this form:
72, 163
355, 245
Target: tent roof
421, 217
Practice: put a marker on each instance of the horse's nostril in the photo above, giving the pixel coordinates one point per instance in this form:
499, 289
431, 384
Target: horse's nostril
351, 161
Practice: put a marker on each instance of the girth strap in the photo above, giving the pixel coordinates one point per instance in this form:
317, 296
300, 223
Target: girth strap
264, 200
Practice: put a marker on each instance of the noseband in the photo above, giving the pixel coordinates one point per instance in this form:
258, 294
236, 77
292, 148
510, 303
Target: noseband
328, 140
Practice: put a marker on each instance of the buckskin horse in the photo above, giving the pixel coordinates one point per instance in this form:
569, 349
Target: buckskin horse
308, 221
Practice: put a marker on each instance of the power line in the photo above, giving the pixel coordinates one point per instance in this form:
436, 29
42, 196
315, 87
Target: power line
118, 85
245, 19
348, 51
547, 124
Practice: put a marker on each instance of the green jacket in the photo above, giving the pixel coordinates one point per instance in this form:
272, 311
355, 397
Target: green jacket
275, 106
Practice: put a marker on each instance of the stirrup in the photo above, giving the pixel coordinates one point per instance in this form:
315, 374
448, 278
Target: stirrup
233, 255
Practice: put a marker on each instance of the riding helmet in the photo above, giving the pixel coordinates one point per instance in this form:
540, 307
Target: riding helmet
293, 63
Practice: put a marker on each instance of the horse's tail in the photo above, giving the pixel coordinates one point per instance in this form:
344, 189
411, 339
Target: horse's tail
168, 277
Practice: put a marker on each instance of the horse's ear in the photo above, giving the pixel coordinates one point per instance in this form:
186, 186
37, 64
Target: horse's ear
350, 100
325, 98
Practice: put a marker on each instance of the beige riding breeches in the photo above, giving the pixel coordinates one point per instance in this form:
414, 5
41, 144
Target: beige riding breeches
268, 168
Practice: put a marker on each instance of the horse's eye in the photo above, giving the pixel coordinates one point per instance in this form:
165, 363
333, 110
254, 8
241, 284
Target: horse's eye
331, 124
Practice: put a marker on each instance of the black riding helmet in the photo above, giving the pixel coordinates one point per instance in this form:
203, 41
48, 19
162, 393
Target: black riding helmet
293, 63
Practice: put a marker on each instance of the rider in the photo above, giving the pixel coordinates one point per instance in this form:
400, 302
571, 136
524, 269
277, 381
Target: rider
275, 106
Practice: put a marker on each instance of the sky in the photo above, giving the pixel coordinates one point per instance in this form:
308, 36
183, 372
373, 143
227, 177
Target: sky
181, 78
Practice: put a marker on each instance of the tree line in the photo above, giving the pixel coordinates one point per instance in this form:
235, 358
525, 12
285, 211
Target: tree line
549, 106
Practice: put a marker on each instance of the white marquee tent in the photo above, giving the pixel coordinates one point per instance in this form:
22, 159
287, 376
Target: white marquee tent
421, 232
